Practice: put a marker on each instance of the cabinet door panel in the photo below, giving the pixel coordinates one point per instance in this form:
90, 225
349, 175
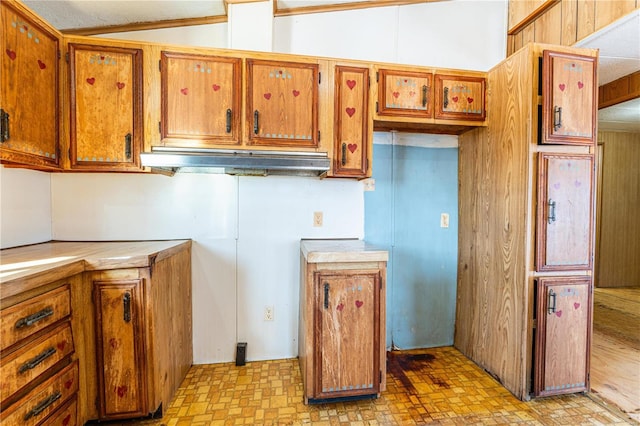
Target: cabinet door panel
347, 345
351, 122
106, 107
29, 59
282, 103
405, 94
120, 344
459, 97
200, 100
563, 335
565, 212
569, 96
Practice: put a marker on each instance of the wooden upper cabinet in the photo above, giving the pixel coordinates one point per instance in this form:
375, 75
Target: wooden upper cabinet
106, 107
564, 313
351, 128
405, 93
460, 97
29, 121
201, 100
569, 96
282, 103
565, 212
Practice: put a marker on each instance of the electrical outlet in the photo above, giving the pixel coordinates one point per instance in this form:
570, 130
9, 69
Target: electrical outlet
369, 184
268, 313
444, 220
317, 219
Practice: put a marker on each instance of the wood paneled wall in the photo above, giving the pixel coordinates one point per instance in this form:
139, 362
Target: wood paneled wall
564, 23
494, 165
618, 246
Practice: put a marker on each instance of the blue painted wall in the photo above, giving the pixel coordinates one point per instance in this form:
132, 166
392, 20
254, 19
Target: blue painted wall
413, 186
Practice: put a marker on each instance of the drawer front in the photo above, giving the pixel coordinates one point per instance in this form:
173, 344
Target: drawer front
25, 364
65, 416
44, 399
28, 317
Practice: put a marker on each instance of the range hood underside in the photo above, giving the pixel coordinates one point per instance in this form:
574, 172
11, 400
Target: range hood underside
261, 163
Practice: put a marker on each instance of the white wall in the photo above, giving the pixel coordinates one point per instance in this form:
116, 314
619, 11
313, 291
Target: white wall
25, 207
246, 230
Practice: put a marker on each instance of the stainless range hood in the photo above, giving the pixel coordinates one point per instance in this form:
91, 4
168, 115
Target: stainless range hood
236, 162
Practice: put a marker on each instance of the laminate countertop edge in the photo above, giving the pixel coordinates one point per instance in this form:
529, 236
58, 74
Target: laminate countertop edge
26, 268
341, 250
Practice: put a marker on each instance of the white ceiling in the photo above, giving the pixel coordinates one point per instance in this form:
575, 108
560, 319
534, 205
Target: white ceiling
619, 43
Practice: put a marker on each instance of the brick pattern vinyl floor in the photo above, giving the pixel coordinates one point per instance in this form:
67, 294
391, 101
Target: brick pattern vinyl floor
427, 386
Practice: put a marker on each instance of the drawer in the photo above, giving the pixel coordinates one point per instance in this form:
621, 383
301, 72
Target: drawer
28, 317
43, 399
65, 416
26, 363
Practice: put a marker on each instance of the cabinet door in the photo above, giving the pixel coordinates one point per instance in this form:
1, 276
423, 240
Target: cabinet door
120, 346
459, 97
405, 94
282, 103
569, 99
106, 108
200, 100
29, 125
351, 149
347, 338
565, 212
563, 335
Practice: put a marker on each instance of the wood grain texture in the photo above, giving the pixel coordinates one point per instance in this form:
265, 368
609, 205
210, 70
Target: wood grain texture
523, 12
491, 313
620, 90
615, 366
548, 27
619, 239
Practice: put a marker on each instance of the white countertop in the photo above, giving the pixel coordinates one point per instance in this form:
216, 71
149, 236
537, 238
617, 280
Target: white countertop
348, 250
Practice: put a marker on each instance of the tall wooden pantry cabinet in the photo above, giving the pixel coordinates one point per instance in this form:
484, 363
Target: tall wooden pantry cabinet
526, 203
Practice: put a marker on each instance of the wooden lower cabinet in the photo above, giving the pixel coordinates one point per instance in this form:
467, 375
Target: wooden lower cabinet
120, 344
342, 320
563, 335
143, 337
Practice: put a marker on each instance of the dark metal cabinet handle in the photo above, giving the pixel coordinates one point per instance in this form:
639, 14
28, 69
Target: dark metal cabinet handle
326, 295
552, 211
344, 154
229, 115
4, 126
557, 117
424, 95
126, 305
34, 318
127, 146
42, 405
445, 96
551, 307
256, 125
31, 364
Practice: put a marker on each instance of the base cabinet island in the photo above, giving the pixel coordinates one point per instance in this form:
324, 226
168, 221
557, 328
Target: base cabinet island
93, 330
342, 349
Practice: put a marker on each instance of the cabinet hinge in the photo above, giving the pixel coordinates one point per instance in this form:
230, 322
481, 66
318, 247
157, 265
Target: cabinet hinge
377, 76
66, 57
59, 54
160, 66
69, 153
369, 81
318, 135
376, 106
319, 78
159, 127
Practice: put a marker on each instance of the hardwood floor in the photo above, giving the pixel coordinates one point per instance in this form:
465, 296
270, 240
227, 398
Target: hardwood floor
615, 352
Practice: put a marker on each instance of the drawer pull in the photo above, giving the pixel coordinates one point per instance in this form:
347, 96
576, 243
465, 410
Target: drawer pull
326, 295
42, 405
424, 96
29, 365
34, 318
229, 117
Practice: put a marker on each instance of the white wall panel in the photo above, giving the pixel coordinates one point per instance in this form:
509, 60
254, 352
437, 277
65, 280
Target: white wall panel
25, 207
210, 35
120, 206
275, 213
